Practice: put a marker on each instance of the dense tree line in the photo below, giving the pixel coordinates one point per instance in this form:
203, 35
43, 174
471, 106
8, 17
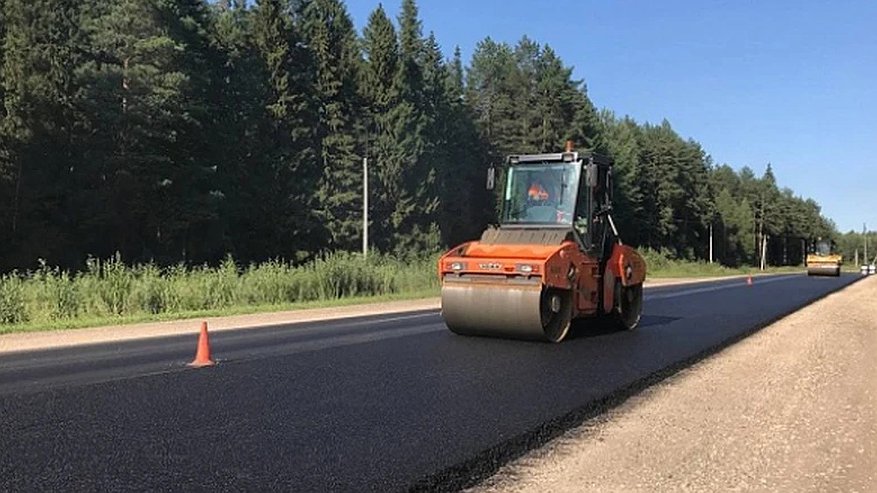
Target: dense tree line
185, 130
671, 195
852, 245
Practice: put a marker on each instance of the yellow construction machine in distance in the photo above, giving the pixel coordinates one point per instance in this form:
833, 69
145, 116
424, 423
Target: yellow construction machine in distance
823, 260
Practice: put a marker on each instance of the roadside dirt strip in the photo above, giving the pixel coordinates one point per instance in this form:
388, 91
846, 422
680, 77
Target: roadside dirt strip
33, 341
791, 408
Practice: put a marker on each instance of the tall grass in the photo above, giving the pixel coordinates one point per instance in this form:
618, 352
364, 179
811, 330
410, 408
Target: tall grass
110, 289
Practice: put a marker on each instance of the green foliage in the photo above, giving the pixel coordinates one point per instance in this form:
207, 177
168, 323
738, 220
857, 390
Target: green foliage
669, 195
405, 200
852, 245
291, 170
329, 31
109, 289
12, 304
665, 264
178, 132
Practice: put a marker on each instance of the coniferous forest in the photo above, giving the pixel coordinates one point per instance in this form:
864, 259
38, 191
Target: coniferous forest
183, 131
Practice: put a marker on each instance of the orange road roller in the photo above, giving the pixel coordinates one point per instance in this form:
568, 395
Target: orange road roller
555, 259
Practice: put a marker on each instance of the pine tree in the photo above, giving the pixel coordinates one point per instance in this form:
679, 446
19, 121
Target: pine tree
329, 32
491, 95
767, 213
622, 144
523, 89
585, 127
146, 98
695, 207
735, 218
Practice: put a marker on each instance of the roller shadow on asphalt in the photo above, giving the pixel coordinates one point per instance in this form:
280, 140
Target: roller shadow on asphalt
600, 327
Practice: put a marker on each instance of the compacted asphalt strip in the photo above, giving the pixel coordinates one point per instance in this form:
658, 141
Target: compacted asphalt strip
378, 403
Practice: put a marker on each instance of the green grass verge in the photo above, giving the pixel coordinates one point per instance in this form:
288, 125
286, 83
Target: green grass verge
111, 293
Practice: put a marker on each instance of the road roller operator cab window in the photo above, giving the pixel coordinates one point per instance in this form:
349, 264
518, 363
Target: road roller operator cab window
822, 247
541, 193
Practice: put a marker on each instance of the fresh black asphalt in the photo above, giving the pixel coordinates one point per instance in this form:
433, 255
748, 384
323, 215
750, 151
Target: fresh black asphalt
380, 403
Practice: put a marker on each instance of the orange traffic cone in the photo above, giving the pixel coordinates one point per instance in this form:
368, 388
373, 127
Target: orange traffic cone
202, 356
749, 280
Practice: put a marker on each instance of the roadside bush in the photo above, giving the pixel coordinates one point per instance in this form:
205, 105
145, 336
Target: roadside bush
52, 295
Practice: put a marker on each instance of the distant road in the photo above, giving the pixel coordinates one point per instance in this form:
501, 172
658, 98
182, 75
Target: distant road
376, 403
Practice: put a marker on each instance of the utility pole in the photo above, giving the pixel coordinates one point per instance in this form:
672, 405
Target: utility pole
804, 252
865, 234
763, 251
711, 242
365, 207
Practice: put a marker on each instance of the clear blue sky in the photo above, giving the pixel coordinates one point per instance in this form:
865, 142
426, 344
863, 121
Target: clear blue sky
793, 83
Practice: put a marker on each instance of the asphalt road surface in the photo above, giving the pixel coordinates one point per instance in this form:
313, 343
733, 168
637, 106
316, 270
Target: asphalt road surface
380, 403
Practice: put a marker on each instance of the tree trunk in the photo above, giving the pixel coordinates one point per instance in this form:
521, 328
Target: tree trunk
17, 200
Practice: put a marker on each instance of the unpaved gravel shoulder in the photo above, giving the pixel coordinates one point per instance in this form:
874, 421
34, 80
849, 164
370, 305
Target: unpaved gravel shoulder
791, 408
32, 341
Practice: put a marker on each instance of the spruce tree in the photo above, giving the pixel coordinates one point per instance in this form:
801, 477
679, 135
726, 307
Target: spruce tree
416, 148
403, 185
381, 96
195, 222
490, 92
238, 102
329, 32
435, 105
465, 205
291, 170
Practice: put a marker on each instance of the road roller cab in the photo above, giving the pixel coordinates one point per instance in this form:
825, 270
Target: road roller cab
554, 258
